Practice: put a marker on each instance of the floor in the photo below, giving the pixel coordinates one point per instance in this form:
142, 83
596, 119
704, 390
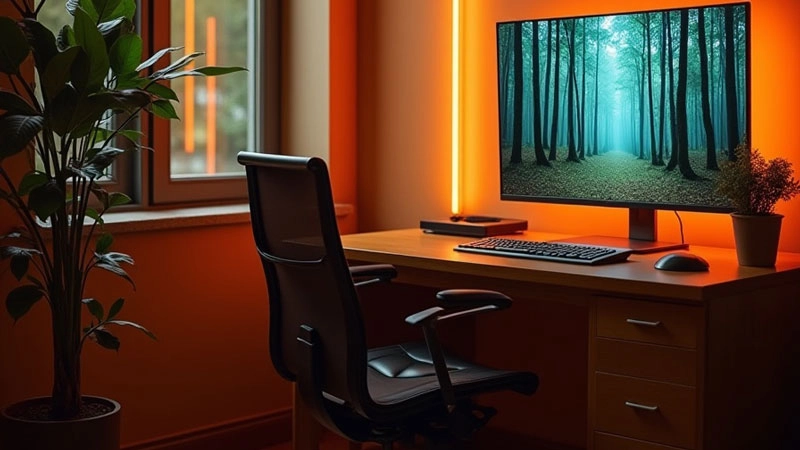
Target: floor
484, 440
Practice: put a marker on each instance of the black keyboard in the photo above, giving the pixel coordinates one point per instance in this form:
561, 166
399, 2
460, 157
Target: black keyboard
547, 251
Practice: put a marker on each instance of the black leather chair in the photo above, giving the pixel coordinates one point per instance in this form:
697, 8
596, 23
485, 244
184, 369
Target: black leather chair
317, 332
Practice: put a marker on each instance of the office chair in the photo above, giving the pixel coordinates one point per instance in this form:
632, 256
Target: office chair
317, 334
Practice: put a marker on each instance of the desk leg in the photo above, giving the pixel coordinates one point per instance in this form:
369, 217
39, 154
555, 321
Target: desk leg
306, 431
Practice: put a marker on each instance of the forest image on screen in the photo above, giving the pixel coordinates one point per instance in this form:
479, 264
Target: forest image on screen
636, 109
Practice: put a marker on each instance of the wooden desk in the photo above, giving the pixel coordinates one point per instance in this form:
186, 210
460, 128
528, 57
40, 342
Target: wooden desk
704, 361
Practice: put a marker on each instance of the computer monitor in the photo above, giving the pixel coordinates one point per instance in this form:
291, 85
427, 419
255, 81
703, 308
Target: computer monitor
634, 110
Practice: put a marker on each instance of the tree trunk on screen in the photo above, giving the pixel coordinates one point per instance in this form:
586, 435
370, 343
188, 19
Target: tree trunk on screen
711, 146
673, 128
653, 150
541, 158
582, 116
596, 85
730, 85
572, 155
505, 61
557, 77
683, 136
516, 144
662, 89
546, 112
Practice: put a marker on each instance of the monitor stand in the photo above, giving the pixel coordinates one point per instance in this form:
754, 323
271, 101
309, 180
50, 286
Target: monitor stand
642, 232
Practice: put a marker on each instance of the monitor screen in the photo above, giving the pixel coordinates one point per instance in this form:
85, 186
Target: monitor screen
632, 110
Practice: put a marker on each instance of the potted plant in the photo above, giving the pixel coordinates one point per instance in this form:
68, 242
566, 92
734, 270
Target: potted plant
754, 185
92, 85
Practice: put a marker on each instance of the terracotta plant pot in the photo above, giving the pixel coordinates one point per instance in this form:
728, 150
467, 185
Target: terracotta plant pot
757, 239
92, 433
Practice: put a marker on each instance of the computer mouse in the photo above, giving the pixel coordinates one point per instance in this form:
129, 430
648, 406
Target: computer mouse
682, 262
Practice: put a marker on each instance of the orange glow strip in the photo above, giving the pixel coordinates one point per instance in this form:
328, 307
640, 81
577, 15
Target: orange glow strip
211, 94
188, 97
455, 128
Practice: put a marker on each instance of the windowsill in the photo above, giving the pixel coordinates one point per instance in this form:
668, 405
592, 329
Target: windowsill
189, 217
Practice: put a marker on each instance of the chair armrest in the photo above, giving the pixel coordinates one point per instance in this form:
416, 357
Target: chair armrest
372, 273
472, 298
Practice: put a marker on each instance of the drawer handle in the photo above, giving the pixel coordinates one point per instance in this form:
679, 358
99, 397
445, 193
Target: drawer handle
640, 406
645, 323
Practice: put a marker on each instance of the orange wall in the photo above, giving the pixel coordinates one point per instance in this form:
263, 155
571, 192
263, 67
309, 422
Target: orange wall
404, 97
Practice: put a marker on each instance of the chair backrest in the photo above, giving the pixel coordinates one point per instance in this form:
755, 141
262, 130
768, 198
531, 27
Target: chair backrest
308, 280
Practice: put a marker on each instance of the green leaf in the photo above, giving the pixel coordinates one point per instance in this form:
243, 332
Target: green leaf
134, 325
126, 53
90, 39
164, 109
21, 299
93, 214
163, 92
46, 199
213, 71
66, 38
101, 194
95, 308
13, 46
116, 307
105, 9
62, 108
14, 104
30, 181
111, 262
17, 132
104, 243
100, 161
118, 199
126, 9
106, 339
58, 72
87, 5
42, 41
156, 56
20, 259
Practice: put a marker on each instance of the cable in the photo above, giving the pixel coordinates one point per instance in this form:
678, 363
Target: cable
680, 222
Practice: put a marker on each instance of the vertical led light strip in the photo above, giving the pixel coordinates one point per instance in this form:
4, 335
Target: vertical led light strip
188, 107
455, 128
211, 93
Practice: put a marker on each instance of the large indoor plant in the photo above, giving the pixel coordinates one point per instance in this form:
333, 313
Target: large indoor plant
754, 185
92, 85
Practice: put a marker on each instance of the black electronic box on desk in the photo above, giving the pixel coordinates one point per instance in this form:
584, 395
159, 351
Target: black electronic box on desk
475, 228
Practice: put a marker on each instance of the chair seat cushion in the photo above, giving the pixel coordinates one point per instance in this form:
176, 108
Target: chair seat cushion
405, 373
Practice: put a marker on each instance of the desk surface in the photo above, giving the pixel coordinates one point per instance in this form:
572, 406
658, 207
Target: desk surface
411, 248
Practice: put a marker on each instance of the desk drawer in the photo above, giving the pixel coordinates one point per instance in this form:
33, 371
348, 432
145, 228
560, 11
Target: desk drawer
672, 420
657, 323
603, 441
654, 362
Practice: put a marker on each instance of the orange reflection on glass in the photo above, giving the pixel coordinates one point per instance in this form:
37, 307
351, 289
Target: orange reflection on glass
189, 46
211, 93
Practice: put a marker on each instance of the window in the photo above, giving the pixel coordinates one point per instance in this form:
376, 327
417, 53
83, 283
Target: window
194, 159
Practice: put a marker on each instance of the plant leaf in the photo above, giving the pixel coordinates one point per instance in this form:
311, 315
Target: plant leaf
104, 243
182, 62
90, 39
93, 214
95, 308
106, 339
42, 41
58, 72
105, 9
103, 158
126, 53
116, 307
30, 181
164, 109
213, 71
46, 199
20, 259
21, 299
163, 92
118, 199
13, 46
156, 56
134, 325
110, 261
14, 104
16, 132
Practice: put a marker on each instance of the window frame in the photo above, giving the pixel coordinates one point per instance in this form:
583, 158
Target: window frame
156, 186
